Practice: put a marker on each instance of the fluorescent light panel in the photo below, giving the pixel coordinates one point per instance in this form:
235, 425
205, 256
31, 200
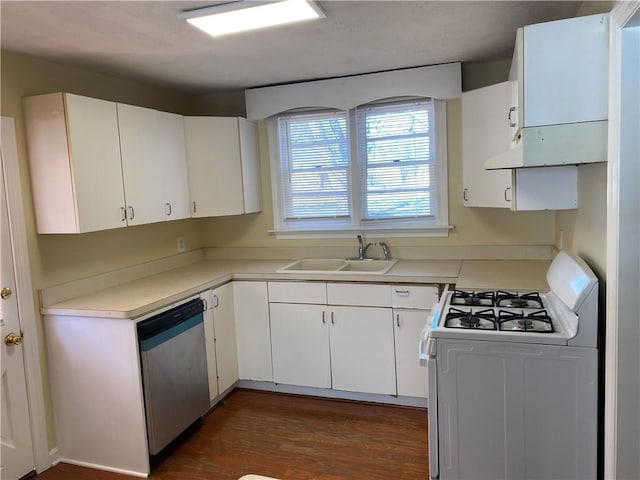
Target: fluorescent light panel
250, 15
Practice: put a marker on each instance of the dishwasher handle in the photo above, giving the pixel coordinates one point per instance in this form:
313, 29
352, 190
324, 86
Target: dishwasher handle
159, 323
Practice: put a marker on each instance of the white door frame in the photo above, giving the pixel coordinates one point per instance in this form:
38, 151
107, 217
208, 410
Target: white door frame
620, 16
26, 301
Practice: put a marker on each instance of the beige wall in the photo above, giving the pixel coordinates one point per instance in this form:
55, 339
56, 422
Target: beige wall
472, 226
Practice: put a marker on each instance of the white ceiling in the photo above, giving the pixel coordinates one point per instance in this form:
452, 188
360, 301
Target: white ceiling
144, 40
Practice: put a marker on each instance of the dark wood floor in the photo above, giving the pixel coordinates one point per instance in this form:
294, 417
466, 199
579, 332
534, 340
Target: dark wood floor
292, 438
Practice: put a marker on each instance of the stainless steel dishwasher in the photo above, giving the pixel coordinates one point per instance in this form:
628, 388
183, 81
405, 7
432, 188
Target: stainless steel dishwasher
174, 371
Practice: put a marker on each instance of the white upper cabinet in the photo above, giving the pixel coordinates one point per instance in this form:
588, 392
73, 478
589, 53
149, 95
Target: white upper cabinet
562, 68
97, 165
487, 131
561, 106
154, 165
224, 169
74, 155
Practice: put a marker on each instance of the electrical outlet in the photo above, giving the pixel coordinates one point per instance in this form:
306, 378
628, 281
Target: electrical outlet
181, 244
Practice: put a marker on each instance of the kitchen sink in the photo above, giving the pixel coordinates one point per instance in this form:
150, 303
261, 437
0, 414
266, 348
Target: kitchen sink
338, 266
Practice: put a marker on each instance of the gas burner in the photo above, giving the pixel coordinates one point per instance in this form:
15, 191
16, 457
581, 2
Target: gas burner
473, 299
481, 320
535, 322
515, 300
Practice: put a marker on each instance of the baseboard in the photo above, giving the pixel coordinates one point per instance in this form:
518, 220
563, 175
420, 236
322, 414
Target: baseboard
104, 468
54, 456
334, 394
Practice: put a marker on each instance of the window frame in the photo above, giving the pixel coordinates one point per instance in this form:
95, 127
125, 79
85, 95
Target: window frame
438, 226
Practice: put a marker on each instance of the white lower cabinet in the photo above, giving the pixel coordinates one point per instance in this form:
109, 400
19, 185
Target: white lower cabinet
220, 336
253, 337
300, 344
411, 372
345, 348
362, 358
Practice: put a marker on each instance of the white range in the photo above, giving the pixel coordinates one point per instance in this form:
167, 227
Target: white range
513, 380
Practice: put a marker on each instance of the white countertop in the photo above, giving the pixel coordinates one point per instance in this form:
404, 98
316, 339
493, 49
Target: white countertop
521, 275
139, 297
145, 295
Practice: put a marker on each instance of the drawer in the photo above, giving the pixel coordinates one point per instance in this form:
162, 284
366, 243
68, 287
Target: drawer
413, 296
366, 295
298, 292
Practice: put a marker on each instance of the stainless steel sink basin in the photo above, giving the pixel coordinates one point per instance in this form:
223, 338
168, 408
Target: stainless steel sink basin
338, 266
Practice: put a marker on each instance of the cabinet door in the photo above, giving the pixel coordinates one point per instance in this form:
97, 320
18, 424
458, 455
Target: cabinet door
253, 337
74, 155
225, 336
486, 133
565, 71
410, 370
300, 341
215, 168
362, 356
153, 164
210, 343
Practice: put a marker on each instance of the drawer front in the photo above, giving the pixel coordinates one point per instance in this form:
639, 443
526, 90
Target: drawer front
367, 295
413, 296
298, 292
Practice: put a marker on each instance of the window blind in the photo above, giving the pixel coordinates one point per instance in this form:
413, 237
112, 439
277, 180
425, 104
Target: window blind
314, 161
396, 160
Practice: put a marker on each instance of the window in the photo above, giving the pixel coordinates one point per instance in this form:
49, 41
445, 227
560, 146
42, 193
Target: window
378, 167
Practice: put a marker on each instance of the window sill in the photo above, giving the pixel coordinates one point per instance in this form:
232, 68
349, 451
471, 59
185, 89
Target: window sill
432, 231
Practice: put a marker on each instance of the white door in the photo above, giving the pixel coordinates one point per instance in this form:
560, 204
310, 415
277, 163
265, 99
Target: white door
486, 133
300, 344
215, 168
17, 452
154, 164
225, 336
362, 356
411, 373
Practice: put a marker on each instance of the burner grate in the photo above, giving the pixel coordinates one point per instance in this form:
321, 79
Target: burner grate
473, 299
481, 320
515, 300
534, 322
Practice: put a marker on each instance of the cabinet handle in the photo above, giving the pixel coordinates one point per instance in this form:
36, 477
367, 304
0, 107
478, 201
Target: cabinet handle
332, 320
505, 194
398, 320
324, 320
512, 123
465, 194
167, 208
403, 293
132, 213
194, 206
204, 302
123, 211
216, 301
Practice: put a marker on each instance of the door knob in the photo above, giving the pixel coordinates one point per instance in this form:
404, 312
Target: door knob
12, 339
5, 292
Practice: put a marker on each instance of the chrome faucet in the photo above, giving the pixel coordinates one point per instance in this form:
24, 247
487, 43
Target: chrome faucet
385, 250
362, 248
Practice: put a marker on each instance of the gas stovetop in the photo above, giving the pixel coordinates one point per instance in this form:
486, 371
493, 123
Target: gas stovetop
508, 311
525, 317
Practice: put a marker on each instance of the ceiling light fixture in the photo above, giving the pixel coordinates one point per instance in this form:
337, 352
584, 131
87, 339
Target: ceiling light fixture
247, 15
